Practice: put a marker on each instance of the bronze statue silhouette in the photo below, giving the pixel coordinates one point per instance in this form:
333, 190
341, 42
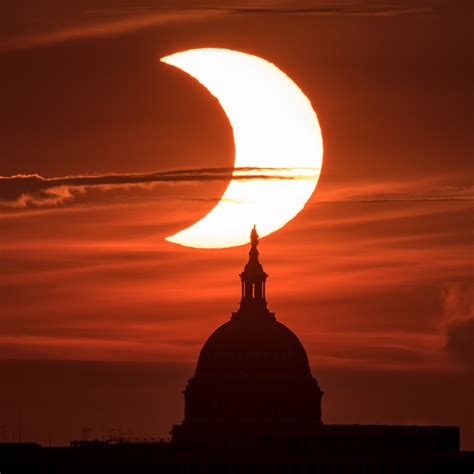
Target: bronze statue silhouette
254, 237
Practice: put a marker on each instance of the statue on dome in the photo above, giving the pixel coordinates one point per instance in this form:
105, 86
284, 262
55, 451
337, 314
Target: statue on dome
254, 238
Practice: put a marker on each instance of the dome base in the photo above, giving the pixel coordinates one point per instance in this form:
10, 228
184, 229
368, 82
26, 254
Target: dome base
215, 433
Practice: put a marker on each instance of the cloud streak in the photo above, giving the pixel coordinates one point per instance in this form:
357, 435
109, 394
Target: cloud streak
134, 19
103, 29
33, 189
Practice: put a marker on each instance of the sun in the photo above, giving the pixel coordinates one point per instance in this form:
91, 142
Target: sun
276, 135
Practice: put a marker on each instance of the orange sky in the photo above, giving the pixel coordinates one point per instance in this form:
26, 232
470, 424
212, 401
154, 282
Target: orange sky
375, 275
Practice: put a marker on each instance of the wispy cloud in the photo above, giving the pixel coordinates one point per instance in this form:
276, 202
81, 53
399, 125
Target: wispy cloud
123, 20
33, 189
96, 29
458, 319
429, 189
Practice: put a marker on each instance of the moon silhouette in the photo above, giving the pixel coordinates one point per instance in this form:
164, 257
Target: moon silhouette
276, 135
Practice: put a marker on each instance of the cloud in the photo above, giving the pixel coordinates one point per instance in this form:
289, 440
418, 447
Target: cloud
103, 29
133, 19
460, 341
458, 301
458, 305
429, 189
33, 189
348, 8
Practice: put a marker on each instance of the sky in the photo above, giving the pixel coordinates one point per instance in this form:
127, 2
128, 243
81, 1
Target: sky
375, 275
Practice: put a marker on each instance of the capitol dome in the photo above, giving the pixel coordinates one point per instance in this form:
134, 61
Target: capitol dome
259, 345
252, 380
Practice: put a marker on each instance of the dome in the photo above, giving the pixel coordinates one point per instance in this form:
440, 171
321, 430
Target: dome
252, 379
253, 345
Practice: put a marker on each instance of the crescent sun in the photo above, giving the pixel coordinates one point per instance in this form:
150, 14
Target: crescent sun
276, 131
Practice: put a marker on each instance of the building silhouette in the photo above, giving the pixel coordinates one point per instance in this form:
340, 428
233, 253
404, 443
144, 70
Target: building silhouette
252, 378
253, 406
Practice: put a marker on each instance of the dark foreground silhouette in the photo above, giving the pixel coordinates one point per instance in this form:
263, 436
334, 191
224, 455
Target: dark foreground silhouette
254, 406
